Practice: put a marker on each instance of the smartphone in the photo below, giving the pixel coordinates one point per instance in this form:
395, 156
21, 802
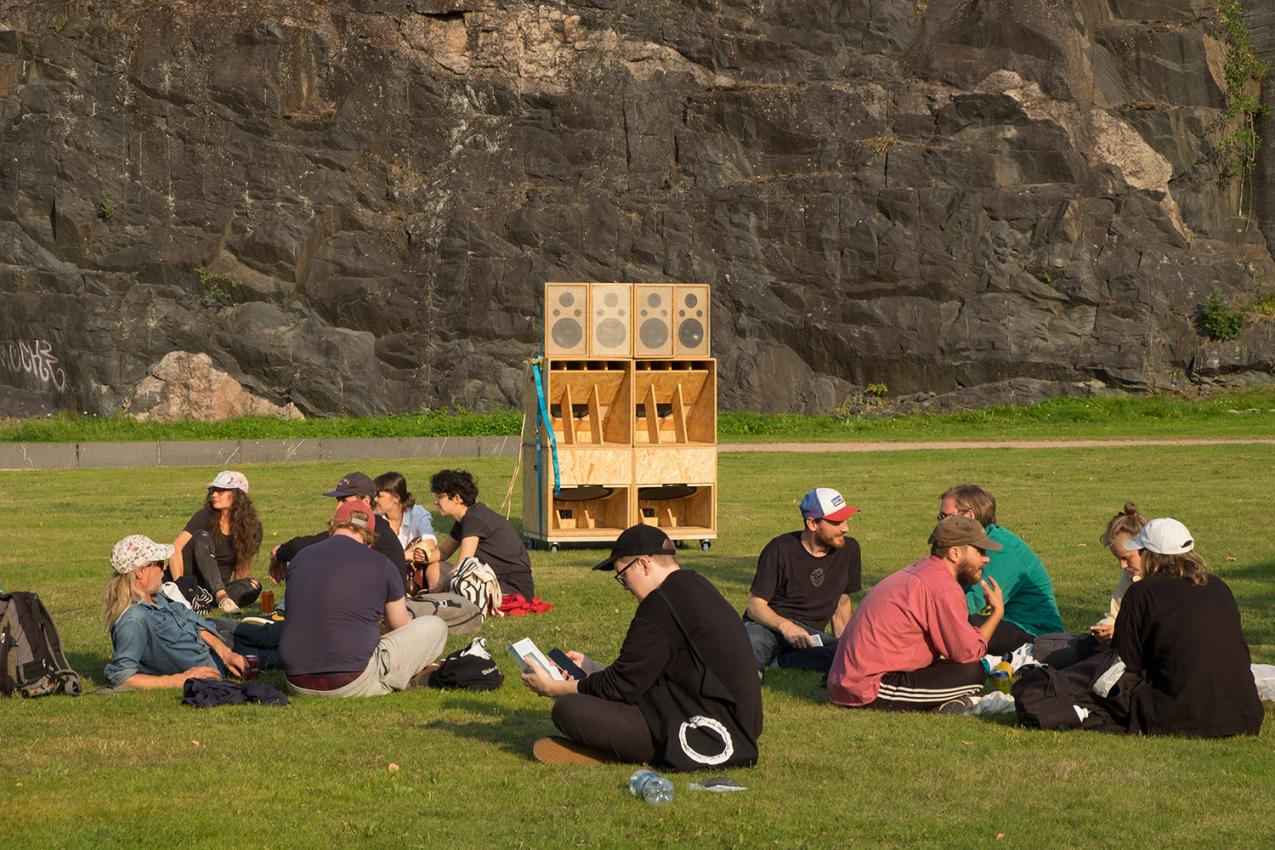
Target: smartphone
557, 656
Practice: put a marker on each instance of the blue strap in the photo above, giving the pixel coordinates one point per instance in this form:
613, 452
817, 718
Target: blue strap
548, 423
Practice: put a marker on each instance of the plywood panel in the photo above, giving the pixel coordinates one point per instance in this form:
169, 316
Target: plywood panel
588, 465
675, 465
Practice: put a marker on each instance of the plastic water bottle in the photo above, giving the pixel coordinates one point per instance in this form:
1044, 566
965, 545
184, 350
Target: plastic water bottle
650, 786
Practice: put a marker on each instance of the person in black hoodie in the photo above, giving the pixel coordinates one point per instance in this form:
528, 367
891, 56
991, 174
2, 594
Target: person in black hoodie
683, 694
1178, 630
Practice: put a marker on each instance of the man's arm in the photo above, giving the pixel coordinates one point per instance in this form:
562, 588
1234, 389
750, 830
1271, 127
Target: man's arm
759, 611
992, 591
286, 551
234, 662
396, 614
145, 681
841, 617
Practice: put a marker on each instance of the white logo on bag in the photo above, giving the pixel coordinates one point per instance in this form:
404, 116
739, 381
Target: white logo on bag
707, 723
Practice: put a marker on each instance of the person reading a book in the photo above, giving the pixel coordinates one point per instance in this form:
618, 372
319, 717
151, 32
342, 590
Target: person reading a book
684, 692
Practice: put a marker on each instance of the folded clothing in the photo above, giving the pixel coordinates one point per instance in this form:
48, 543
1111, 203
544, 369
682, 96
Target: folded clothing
206, 693
516, 605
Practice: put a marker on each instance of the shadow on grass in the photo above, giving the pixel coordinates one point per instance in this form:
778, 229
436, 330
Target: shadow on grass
514, 730
805, 685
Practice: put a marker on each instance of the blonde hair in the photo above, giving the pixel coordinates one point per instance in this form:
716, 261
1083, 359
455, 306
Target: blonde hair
367, 535
1129, 521
971, 497
121, 594
1188, 566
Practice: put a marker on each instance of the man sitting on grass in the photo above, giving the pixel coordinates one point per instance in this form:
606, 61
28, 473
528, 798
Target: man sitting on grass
351, 487
478, 532
1030, 607
910, 646
158, 643
804, 580
338, 592
684, 692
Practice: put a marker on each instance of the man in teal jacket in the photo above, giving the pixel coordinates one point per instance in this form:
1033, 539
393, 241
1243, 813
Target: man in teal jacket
1030, 608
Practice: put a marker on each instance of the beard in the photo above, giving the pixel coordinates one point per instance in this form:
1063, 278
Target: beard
833, 540
969, 571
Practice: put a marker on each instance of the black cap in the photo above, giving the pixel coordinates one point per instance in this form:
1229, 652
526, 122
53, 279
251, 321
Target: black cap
639, 540
354, 484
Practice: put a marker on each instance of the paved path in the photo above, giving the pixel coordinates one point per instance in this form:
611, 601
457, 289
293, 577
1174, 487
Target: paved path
977, 444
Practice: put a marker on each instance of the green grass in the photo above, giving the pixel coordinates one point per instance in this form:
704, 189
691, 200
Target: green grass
141, 769
1234, 414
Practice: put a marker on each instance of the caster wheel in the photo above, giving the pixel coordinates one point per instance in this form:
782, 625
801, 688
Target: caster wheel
553, 547
680, 544
705, 545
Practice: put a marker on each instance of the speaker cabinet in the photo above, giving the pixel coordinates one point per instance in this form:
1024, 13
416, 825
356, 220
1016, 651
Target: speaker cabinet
690, 320
653, 320
566, 318
610, 320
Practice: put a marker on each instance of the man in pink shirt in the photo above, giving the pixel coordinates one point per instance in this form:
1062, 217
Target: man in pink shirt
909, 645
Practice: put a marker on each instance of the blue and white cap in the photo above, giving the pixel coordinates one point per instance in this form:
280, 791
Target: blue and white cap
826, 503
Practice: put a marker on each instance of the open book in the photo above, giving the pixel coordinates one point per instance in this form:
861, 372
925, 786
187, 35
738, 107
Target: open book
526, 648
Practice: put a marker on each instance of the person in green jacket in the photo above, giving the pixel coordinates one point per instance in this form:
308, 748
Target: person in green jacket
1030, 607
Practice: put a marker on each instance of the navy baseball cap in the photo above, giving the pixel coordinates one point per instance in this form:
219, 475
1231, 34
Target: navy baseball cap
354, 484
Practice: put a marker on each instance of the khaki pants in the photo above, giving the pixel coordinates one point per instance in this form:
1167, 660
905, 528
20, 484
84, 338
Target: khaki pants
398, 657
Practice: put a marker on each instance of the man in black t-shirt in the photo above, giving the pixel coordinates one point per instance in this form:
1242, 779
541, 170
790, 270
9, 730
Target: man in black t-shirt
804, 580
353, 486
684, 638
478, 532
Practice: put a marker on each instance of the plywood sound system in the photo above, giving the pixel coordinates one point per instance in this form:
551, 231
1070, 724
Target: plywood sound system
628, 391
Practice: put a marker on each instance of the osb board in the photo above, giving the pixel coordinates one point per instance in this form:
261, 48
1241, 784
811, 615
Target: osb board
675, 465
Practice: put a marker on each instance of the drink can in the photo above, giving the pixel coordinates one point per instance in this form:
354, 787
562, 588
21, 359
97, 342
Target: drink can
250, 666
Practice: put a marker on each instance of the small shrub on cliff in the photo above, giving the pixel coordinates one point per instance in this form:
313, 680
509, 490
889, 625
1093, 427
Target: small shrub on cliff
1264, 306
1219, 321
215, 288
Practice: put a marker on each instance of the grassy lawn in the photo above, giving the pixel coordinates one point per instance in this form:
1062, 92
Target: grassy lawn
140, 769
1235, 414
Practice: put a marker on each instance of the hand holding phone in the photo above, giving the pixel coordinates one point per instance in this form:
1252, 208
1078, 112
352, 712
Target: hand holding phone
557, 656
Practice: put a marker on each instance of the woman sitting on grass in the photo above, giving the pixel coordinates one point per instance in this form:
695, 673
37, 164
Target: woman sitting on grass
411, 523
1063, 650
219, 542
158, 643
1179, 631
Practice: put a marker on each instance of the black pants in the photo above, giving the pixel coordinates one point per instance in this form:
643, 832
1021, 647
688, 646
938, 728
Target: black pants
617, 729
200, 555
1006, 638
929, 687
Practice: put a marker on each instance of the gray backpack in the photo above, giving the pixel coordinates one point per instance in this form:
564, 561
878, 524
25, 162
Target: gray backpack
32, 663
460, 614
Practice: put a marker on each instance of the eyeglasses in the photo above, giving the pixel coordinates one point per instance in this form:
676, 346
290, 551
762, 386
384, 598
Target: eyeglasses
619, 577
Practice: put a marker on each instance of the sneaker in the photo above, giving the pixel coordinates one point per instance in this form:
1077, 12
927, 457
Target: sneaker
421, 679
960, 705
228, 605
562, 751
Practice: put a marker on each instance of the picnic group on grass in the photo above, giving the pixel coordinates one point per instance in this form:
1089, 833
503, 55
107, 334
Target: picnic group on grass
369, 602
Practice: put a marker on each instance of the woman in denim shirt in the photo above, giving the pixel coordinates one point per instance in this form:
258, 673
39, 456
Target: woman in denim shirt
157, 643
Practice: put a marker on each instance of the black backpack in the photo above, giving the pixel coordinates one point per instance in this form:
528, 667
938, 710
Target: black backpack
31, 660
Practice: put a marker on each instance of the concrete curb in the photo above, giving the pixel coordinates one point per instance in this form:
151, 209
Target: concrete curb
230, 452
227, 453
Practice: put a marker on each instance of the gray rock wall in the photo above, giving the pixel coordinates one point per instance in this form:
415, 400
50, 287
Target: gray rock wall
352, 206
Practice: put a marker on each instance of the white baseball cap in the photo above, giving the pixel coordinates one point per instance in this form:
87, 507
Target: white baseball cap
228, 479
1164, 536
137, 550
826, 503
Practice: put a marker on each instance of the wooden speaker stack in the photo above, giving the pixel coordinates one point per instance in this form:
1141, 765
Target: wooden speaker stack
625, 402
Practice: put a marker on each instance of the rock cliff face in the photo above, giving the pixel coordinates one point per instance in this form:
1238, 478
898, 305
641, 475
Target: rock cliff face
351, 206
